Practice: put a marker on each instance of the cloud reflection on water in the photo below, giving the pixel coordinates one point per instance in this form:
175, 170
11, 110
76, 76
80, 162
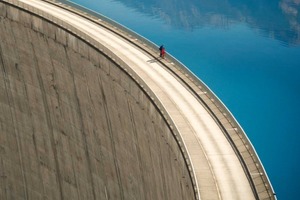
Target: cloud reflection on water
274, 19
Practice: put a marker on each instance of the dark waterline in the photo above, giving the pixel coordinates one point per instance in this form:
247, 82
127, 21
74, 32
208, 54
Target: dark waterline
247, 52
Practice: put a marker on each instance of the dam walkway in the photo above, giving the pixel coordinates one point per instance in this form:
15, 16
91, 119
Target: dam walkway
222, 162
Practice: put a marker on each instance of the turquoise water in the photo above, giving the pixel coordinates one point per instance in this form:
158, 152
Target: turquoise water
247, 52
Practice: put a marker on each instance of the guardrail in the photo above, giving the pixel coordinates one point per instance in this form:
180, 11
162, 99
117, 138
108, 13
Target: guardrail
245, 151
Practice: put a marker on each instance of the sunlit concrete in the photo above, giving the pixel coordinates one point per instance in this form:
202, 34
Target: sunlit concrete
103, 122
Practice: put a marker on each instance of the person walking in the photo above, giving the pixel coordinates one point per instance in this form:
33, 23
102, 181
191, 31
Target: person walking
162, 51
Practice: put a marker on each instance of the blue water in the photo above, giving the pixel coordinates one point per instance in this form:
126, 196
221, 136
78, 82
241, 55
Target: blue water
247, 52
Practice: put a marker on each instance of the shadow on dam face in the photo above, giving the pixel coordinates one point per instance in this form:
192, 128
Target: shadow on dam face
73, 125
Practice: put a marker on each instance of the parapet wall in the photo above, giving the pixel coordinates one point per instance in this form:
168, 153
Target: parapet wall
74, 124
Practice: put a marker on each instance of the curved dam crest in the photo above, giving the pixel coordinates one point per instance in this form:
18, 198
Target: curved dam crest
80, 122
70, 125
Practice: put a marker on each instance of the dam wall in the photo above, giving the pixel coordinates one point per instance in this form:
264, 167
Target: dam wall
74, 124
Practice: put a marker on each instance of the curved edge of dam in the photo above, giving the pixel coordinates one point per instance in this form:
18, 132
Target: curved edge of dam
78, 122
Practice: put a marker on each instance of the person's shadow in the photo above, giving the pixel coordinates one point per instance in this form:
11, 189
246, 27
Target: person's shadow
153, 60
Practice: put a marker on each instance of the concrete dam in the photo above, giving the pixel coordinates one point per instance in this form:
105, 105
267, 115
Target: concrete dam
88, 111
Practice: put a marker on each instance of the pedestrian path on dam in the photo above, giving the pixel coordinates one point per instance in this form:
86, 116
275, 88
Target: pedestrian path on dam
221, 161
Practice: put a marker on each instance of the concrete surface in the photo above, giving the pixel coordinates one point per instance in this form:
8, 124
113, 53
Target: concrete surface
86, 114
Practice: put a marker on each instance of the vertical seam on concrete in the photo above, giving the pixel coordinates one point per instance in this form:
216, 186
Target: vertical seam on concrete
152, 168
75, 93
33, 132
182, 191
101, 154
161, 165
2, 162
75, 175
82, 129
39, 169
86, 147
7, 89
4, 177
136, 146
49, 123
111, 137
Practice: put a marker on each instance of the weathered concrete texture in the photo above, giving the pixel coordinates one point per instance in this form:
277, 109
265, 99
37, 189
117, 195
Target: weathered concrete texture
74, 126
